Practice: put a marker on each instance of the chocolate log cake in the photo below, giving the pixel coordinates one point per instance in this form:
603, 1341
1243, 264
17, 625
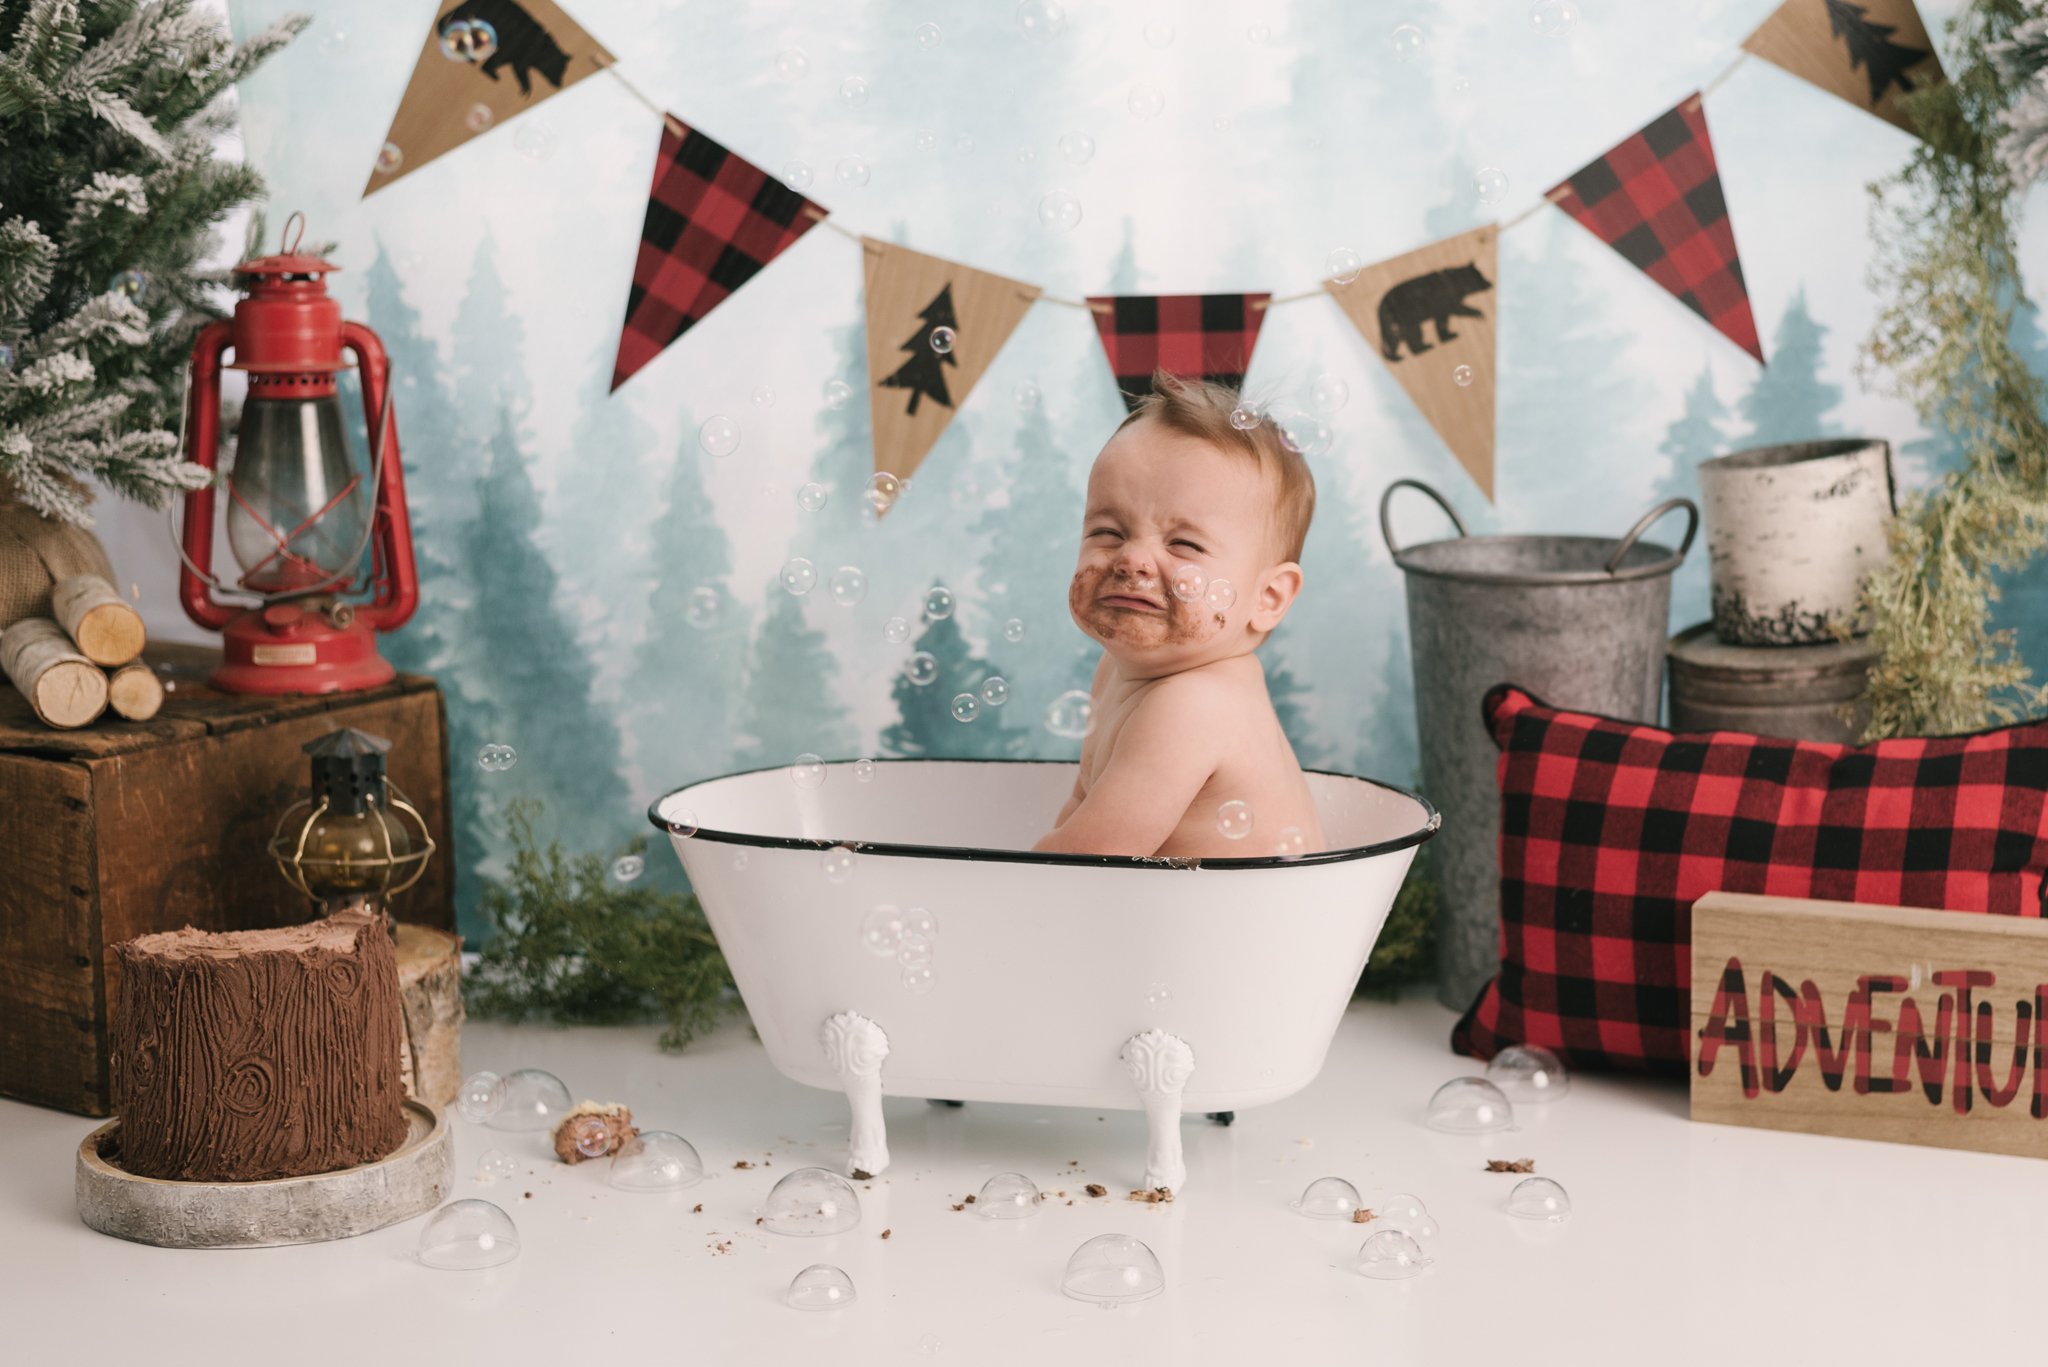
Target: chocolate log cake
255, 1054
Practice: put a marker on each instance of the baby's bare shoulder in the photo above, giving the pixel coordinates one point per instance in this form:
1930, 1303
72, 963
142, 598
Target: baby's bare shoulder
1206, 692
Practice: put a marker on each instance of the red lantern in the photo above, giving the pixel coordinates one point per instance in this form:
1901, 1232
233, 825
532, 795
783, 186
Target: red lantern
301, 511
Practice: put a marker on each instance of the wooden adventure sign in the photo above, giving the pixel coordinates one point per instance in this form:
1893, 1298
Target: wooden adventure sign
1895, 1023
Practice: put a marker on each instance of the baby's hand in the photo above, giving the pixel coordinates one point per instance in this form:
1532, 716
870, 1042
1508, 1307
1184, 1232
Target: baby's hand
1162, 755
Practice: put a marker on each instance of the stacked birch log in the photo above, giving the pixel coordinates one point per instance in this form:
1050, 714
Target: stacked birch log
85, 659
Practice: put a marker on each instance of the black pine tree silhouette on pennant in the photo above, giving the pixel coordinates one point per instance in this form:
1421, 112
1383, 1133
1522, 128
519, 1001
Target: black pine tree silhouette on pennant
1871, 47
924, 374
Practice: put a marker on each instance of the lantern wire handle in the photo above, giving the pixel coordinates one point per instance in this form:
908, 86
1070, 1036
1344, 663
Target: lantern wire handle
298, 216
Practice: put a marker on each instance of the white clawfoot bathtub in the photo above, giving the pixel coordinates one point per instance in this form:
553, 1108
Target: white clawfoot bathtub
1069, 980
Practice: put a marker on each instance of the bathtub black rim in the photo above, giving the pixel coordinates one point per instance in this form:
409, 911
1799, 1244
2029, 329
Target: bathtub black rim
1429, 827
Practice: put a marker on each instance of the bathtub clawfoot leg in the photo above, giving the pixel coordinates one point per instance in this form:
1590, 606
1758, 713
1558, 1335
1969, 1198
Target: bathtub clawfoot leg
856, 1046
1159, 1065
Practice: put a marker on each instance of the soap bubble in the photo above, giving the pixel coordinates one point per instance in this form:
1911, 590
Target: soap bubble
1222, 594
966, 707
1059, 210
1390, 1255
929, 1344
1329, 1198
938, 602
627, 868
496, 759
481, 1096
854, 91
496, 1165
469, 40
1422, 1228
1305, 434
799, 576
1234, 820
479, 118
535, 1099
1469, 1105
811, 1202
1408, 42
851, 171
1041, 19
849, 585
1293, 843
963, 144
1189, 583
1071, 716
1491, 184
1552, 18
797, 175
1013, 630
1528, 1072
1328, 394
881, 931
334, 41
656, 1161
811, 497
1539, 1198
1462, 375
1158, 995
6, 356
914, 950
919, 924
720, 435
535, 140
465, 1236
921, 668
820, 1286
837, 863
1401, 1210
926, 140
1159, 33
1257, 33
896, 631
1007, 1196
1026, 395
791, 64
591, 1136
681, 821
1112, 1270
389, 158
1026, 155
919, 979
740, 860
763, 396
883, 489
1077, 147
837, 392
943, 339
927, 35
702, 609
1145, 102
864, 771
1244, 417
808, 771
995, 690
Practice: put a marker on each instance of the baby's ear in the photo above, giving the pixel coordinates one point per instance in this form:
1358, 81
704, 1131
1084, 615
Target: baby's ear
1277, 592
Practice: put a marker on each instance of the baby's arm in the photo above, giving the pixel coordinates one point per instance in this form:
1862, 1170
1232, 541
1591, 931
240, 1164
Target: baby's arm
1165, 752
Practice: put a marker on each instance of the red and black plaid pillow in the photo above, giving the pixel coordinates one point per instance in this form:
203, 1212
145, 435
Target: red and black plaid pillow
1610, 830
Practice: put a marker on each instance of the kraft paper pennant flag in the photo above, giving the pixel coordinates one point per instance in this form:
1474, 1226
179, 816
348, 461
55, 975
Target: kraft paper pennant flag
1431, 315
714, 219
484, 62
1656, 199
1869, 54
933, 327
1209, 336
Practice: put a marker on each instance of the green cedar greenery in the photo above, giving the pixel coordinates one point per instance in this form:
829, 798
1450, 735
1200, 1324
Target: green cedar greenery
1946, 271
109, 188
572, 944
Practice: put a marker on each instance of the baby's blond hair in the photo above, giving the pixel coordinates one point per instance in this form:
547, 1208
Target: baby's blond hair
1201, 409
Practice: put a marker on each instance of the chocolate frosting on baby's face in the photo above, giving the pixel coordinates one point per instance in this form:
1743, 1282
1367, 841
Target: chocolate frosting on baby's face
1159, 502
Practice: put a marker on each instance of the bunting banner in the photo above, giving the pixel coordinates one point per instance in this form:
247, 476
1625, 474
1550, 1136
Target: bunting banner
1210, 336
714, 219
1656, 199
1869, 54
484, 62
933, 328
1430, 315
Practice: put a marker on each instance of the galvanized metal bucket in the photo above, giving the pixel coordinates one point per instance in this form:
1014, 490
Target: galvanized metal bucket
1579, 621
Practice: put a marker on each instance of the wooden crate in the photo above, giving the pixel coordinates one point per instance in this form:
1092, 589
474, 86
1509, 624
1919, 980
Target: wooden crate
125, 828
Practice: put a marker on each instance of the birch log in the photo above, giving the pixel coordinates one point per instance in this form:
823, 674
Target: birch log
135, 692
65, 688
430, 989
109, 632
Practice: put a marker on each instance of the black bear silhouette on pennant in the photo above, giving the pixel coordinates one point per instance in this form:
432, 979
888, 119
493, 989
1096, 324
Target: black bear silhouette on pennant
520, 42
1437, 297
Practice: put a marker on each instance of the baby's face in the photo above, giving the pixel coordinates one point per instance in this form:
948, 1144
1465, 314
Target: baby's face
1160, 502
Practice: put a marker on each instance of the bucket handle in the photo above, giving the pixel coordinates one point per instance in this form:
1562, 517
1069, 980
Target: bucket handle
1387, 528
1692, 525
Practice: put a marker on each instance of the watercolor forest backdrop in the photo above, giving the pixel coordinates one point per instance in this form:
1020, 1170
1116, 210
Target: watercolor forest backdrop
562, 529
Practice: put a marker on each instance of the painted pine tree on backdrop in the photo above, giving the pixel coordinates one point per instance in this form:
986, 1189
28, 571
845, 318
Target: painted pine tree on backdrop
926, 726
1697, 435
1790, 401
790, 705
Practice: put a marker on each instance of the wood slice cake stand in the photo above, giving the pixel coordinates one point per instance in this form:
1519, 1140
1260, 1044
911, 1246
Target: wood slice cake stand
288, 1210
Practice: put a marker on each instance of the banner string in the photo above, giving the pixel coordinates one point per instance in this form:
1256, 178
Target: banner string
610, 67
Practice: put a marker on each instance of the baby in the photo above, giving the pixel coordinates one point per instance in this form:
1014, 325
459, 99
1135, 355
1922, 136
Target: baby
1189, 554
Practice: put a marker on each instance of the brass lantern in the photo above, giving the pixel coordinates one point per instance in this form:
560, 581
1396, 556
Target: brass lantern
348, 839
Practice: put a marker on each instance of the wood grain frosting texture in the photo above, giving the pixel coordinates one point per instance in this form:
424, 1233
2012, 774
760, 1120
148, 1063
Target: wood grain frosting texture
255, 1054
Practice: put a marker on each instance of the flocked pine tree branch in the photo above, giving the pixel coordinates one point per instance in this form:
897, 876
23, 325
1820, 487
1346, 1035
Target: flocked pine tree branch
109, 189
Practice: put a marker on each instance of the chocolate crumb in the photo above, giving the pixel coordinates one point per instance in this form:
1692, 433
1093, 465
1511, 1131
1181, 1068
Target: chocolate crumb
861, 1175
886, 1233
1511, 1165
529, 1196
970, 1200
1361, 1216
1096, 1189
760, 1219
1154, 1197
1070, 1203
697, 1209
1073, 1162
958, 1206
741, 1164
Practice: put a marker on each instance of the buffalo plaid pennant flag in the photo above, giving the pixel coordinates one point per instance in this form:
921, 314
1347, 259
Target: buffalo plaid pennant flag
1656, 199
1206, 335
714, 220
